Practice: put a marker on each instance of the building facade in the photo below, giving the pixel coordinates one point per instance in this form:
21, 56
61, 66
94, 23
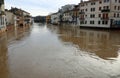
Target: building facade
2, 15
23, 18
10, 18
55, 18
48, 19
70, 14
100, 13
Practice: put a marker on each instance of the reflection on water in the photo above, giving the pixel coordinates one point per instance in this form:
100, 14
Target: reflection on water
17, 34
3, 57
104, 44
60, 52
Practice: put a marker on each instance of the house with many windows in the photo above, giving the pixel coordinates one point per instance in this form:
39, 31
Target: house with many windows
70, 14
100, 13
2, 16
23, 18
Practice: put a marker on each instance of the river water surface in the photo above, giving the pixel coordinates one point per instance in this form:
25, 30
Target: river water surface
47, 51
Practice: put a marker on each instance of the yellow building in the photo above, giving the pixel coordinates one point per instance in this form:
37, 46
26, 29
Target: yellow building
48, 19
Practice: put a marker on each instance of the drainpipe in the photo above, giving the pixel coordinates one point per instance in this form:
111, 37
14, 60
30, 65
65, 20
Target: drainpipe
111, 20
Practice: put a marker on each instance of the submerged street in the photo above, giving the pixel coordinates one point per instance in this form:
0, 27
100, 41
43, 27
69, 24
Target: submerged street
47, 51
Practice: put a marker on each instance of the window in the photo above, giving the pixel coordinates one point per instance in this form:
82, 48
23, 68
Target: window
92, 9
115, 7
99, 8
107, 16
118, 15
81, 22
104, 7
99, 22
106, 22
118, 7
93, 3
100, 2
92, 22
114, 14
85, 22
103, 22
92, 16
99, 15
107, 7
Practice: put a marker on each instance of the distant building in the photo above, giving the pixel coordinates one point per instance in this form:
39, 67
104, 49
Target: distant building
71, 16
67, 16
55, 18
2, 16
40, 19
75, 16
100, 13
48, 19
23, 18
27, 18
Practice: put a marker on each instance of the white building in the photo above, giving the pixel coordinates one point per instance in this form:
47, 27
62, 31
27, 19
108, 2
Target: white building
100, 13
27, 17
67, 16
55, 18
10, 18
2, 15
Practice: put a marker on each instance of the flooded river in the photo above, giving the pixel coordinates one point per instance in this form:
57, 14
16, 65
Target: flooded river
47, 51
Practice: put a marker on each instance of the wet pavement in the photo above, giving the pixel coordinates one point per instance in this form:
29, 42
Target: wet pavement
47, 51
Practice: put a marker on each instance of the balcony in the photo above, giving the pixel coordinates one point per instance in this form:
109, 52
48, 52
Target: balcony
105, 10
81, 12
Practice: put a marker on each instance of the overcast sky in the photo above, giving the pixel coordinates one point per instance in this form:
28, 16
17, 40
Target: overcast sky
39, 7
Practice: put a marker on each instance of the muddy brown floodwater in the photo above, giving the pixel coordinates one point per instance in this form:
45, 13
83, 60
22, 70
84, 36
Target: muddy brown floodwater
47, 51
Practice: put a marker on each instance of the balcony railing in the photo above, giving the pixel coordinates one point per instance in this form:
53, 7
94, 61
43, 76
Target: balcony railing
105, 10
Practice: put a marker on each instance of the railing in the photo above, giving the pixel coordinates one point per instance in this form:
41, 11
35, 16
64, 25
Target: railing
105, 10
